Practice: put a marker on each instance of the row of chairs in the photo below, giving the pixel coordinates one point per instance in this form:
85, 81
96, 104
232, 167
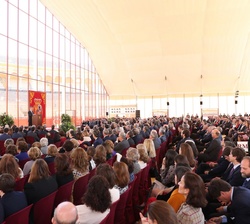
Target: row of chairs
125, 210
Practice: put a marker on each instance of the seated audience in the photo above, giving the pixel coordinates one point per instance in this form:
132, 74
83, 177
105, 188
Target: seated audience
22, 148
44, 145
40, 183
8, 164
237, 197
159, 212
107, 171
193, 188
63, 172
133, 155
11, 201
34, 153
100, 155
79, 162
96, 202
121, 176
65, 213
143, 156
52, 152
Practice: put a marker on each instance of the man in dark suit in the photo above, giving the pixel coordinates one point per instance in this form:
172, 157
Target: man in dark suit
232, 175
30, 115
5, 134
121, 143
239, 197
130, 139
98, 140
245, 171
212, 152
32, 133
11, 201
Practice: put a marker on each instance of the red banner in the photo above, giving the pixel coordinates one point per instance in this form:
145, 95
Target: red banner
37, 100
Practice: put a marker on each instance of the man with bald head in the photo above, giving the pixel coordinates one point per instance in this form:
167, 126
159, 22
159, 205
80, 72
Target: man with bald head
65, 213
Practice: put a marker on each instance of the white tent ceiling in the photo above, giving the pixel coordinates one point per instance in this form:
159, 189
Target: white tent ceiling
163, 47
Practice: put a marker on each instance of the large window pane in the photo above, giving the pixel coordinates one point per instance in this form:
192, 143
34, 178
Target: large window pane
3, 17
23, 59
23, 5
13, 21
49, 40
33, 33
3, 54
41, 12
12, 53
33, 8
41, 36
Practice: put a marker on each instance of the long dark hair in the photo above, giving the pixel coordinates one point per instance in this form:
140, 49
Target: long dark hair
197, 195
97, 196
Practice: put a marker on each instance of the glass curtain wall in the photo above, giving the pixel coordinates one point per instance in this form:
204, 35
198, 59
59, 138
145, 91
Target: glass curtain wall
38, 53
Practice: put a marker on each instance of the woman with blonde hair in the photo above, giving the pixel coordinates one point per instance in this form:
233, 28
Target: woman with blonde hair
8, 164
79, 162
149, 144
34, 153
40, 183
52, 152
121, 176
144, 158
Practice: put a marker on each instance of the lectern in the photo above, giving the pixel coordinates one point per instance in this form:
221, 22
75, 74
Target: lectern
36, 120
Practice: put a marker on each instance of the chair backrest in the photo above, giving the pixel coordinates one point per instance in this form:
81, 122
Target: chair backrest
124, 152
64, 193
51, 168
43, 209
20, 217
120, 209
111, 217
92, 173
30, 140
21, 182
79, 189
2, 148
136, 189
22, 162
129, 212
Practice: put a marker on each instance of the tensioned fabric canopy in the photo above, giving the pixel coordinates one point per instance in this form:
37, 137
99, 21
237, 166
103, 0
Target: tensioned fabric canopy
163, 47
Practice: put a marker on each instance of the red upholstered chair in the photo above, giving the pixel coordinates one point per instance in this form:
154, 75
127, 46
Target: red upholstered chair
144, 185
30, 140
20, 217
79, 189
120, 209
64, 193
135, 196
22, 162
51, 168
43, 209
111, 217
124, 151
41, 135
163, 150
129, 212
21, 182
2, 148
92, 173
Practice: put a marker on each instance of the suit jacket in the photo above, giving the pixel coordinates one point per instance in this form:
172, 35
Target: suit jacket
240, 206
39, 189
246, 184
131, 142
121, 145
34, 135
98, 141
234, 179
212, 152
137, 138
4, 136
12, 202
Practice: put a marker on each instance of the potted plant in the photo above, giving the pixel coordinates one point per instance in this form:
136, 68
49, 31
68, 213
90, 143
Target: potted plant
6, 119
66, 123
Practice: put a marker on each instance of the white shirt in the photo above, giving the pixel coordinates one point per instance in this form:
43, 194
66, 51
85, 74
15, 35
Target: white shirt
86, 215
